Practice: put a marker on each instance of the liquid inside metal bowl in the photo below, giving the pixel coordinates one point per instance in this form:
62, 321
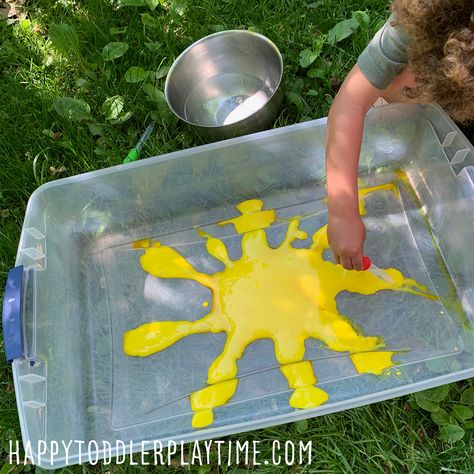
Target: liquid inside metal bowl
226, 84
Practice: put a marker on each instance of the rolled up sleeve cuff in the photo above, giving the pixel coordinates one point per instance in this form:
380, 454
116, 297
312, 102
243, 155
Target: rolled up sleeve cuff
385, 57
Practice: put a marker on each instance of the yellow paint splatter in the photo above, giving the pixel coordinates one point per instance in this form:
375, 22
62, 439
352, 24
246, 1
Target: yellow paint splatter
141, 244
203, 401
284, 294
301, 378
372, 362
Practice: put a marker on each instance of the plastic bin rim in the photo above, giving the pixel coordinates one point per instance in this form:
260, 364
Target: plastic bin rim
212, 146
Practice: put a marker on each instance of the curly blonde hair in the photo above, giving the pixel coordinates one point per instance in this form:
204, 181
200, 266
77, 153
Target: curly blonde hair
441, 52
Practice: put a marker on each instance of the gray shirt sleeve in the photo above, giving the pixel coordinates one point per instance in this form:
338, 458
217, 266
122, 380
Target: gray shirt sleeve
385, 57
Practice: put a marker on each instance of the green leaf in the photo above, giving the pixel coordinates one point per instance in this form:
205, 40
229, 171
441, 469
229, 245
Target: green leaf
96, 129
342, 30
95, 62
204, 469
307, 57
118, 30
426, 404
114, 50
152, 4
462, 413
412, 403
319, 68
467, 396
436, 394
177, 8
154, 94
163, 112
72, 109
49, 133
90, 74
301, 426
162, 72
64, 39
296, 86
314, 73
469, 425
296, 100
362, 18
7, 468
440, 417
154, 47
132, 3
312, 92
315, 4
218, 28
451, 433
148, 20
165, 115
81, 82
136, 74
123, 117
112, 107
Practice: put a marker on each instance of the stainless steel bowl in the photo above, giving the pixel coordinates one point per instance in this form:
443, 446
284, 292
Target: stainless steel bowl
226, 84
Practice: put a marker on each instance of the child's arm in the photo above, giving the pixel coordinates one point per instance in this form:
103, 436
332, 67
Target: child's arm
346, 231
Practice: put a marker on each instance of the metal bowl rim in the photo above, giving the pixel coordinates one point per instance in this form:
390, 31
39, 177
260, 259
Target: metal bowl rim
220, 33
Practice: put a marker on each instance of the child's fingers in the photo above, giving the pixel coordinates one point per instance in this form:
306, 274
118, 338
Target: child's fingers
346, 262
357, 262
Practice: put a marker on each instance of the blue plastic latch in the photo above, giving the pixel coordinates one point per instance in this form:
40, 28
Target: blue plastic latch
11, 316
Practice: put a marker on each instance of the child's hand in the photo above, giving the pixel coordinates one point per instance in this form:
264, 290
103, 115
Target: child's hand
346, 236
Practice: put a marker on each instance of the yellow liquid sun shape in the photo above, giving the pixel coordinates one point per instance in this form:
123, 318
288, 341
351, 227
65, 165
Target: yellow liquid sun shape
284, 294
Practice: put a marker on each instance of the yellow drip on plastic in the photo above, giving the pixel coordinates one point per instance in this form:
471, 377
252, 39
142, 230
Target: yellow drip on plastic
284, 294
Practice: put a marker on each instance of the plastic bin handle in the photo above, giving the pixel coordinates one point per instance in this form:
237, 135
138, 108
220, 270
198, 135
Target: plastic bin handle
11, 316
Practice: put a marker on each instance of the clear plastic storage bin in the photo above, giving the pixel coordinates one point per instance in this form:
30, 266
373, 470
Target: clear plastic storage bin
78, 285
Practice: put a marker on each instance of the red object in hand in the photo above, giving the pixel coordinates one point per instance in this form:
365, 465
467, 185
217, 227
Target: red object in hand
366, 262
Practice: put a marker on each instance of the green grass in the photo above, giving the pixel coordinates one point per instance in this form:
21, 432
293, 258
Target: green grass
38, 145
